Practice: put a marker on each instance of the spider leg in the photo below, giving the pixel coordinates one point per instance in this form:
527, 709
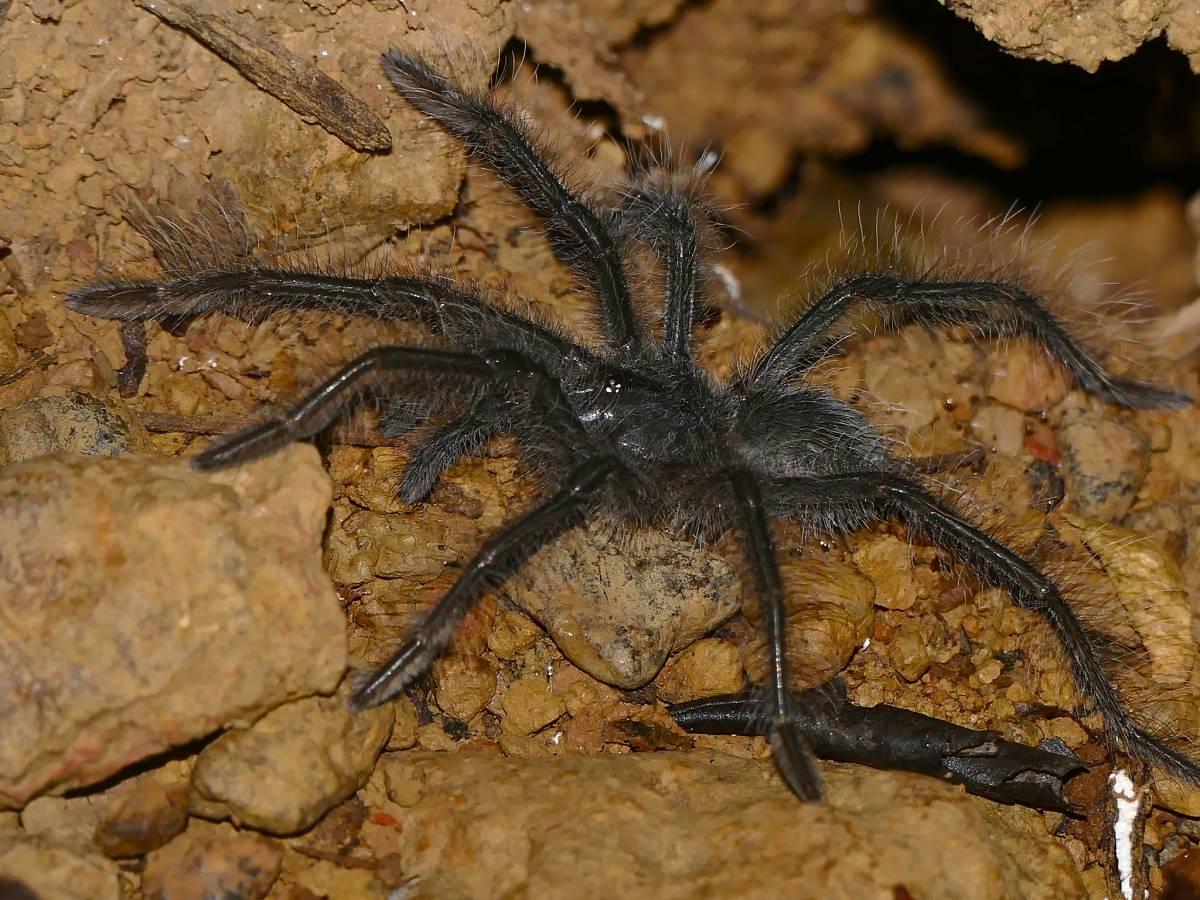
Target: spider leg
331, 398
664, 218
491, 564
577, 230
845, 502
788, 747
327, 401
992, 308
258, 291
457, 438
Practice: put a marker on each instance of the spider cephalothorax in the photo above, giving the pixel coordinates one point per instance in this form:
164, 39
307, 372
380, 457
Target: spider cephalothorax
638, 425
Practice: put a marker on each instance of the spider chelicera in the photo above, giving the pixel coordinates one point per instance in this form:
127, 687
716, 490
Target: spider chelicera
638, 425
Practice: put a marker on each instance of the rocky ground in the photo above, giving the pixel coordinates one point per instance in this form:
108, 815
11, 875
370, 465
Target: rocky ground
173, 645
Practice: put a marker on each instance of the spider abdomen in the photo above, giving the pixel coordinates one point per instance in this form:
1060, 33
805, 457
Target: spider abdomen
807, 433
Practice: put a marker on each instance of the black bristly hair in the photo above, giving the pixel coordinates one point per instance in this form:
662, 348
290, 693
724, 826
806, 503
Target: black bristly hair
638, 426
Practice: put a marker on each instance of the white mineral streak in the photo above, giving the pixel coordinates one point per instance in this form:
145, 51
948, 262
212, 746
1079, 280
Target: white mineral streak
1128, 798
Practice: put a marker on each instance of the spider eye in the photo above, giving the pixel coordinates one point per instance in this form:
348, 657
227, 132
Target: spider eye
612, 386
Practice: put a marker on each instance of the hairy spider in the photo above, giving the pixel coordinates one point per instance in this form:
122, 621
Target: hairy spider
639, 425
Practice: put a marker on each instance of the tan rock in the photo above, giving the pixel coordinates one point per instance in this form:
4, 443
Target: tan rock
989, 670
1150, 587
212, 861
325, 878
708, 668
75, 423
830, 609
1067, 730
66, 822
1086, 36
618, 604
49, 871
404, 730
907, 397
512, 633
463, 685
147, 592
320, 753
999, 428
909, 654
143, 819
1025, 377
675, 825
888, 563
530, 705
126, 819
1105, 461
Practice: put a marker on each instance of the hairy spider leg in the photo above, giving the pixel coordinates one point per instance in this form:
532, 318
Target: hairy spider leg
844, 502
492, 564
790, 750
331, 398
578, 232
455, 439
665, 220
439, 302
992, 308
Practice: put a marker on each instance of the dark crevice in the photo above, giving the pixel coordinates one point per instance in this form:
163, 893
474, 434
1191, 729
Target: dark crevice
1130, 125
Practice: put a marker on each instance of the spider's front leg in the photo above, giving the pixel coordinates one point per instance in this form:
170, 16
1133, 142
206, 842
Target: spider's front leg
788, 747
578, 231
855, 499
666, 219
992, 308
498, 557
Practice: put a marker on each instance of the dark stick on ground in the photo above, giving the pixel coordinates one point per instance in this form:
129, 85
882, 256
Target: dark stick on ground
133, 342
278, 71
887, 737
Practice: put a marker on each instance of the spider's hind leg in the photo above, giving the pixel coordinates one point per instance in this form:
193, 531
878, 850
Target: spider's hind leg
789, 748
877, 496
991, 308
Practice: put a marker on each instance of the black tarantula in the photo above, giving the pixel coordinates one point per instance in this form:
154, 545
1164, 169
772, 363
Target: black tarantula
639, 425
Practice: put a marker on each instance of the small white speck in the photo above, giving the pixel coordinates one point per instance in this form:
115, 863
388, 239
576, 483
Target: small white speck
729, 281
1129, 798
866, 644
183, 142
658, 123
707, 162
322, 53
